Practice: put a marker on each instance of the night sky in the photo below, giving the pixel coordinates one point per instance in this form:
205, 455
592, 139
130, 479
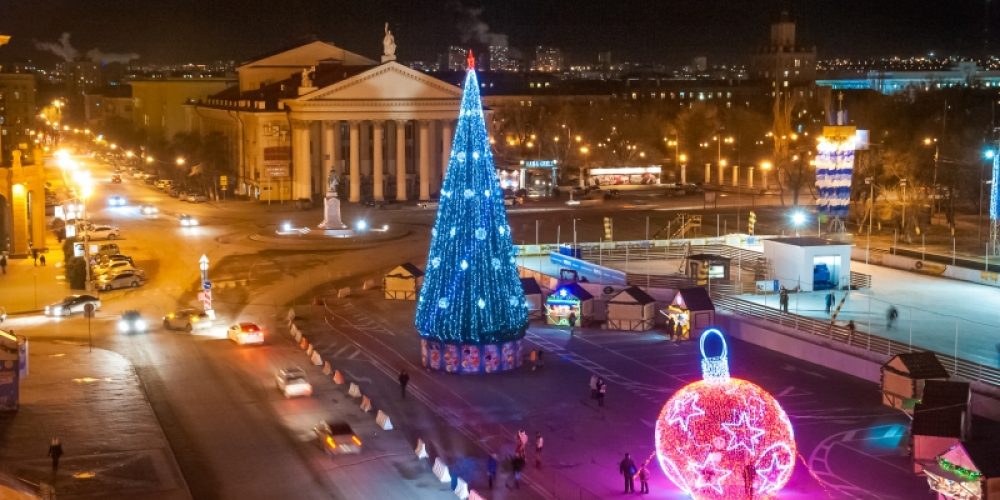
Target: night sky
670, 31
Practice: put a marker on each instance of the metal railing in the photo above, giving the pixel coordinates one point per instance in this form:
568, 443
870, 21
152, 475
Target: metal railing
958, 367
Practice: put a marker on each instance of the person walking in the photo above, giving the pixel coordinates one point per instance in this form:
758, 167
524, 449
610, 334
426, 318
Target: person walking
572, 322
34, 255
534, 359
602, 388
404, 379
830, 300
593, 386
516, 466
55, 451
538, 449
671, 327
891, 316
541, 361
850, 331
41, 259
643, 480
783, 299
491, 468
3, 263
627, 468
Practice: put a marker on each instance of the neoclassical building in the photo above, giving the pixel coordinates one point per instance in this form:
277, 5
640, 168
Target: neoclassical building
302, 114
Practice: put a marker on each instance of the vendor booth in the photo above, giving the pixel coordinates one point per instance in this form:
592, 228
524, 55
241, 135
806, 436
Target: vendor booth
967, 471
533, 296
904, 376
403, 282
716, 265
631, 309
569, 299
692, 312
808, 263
940, 420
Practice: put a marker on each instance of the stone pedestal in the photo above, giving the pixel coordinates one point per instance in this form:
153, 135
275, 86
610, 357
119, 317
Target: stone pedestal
386, 58
331, 213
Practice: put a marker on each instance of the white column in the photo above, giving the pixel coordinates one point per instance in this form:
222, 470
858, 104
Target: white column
708, 173
447, 133
400, 160
684, 172
327, 138
722, 175
425, 159
736, 175
750, 178
355, 145
377, 164
338, 147
301, 181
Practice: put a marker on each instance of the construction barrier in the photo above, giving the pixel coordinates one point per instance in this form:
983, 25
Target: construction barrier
338, 378
316, 360
382, 420
368, 285
344, 292
296, 333
421, 449
462, 489
291, 315
366, 404
303, 344
310, 351
354, 391
474, 495
440, 471
327, 369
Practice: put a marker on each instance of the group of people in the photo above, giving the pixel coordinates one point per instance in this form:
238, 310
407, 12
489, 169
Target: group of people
598, 388
631, 472
518, 460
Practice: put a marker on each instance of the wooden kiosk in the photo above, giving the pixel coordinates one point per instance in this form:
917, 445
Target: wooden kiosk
692, 311
403, 282
904, 375
631, 309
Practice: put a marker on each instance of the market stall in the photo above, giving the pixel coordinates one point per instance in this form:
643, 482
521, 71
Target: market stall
402, 282
967, 471
904, 375
533, 295
569, 299
717, 266
940, 420
631, 309
692, 311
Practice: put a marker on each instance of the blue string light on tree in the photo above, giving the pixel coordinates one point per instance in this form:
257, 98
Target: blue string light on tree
471, 314
724, 438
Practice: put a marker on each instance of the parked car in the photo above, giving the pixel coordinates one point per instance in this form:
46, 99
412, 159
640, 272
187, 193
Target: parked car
102, 232
104, 260
187, 320
116, 178
149, 210
337, 438
175, 192
117, 201
164, 184
196, 198
187, 220
122, 278
113, 268
132, 322
293, 382
72, 305
245, 333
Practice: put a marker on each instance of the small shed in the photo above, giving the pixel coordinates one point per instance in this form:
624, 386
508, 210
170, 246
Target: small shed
692, 312
631, 309
809, 263
904, 375
967, 471
940, 420
717, 266
403, 282
533, 295
569, 298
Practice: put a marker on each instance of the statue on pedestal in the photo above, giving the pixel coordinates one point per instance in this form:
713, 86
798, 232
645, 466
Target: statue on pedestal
331, 205
388, 46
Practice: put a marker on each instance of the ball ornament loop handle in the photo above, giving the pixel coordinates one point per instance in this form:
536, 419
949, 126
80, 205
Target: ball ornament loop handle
714, 368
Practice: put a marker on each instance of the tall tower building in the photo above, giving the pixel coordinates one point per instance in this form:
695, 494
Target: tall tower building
547, 60
782, 61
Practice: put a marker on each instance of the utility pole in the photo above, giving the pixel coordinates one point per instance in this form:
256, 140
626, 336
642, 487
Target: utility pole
871, 213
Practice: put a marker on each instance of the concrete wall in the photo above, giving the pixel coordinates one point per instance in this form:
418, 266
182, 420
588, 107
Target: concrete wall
929, 268
788, 265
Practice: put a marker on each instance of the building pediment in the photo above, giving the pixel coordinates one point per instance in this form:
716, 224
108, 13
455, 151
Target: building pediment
389, 81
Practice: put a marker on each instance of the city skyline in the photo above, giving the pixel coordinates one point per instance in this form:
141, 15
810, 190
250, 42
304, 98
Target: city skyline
184, 31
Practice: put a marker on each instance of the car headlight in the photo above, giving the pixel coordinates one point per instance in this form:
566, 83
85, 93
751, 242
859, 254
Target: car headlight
140, 324
123, 326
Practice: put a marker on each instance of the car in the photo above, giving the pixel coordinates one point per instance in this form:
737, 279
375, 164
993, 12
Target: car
71, 305
164, 184
292, 382
246, 333
337, 438
123, 278
187, 220
102, 232
188, 320
113, 267
132, 322
196, 198
105, 259
116, 179
117, 201
149, 210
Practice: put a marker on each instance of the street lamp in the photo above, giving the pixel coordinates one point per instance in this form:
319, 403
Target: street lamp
180, 161
798, 218
870, 181
932, 141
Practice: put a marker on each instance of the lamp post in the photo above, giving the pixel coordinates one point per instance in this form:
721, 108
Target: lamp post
871, 213
902, 223
929, 141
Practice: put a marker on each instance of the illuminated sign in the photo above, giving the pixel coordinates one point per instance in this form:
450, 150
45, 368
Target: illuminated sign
625, 170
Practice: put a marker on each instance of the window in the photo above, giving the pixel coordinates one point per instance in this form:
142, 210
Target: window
798, 63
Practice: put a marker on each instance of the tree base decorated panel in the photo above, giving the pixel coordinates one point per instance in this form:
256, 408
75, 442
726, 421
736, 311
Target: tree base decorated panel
470, 358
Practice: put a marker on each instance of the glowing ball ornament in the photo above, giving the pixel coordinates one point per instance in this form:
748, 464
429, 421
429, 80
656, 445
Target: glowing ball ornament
723, 437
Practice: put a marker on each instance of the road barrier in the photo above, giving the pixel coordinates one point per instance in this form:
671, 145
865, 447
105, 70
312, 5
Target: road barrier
343, 293
354, 391
440, 471
338, 378
303, 344
366, 404
327, 369
421, 449
462, 489
382, 420
296, 333
310, 351
474, 495
316, 360
368, 285
291, 315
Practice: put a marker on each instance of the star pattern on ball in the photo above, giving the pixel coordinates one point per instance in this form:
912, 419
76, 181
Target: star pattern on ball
683, 410
742, 433
776, 471
710, 475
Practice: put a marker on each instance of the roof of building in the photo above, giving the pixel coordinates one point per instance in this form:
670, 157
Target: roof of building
530, 286
941, 422
636, 294
406, 270
807, 241
575, 290
696, 299
917, 365
984, 455
270, 94
945, 393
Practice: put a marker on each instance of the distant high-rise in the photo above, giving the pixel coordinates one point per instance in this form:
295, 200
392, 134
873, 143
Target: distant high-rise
604, 58
501, 59
783, 62
457, 57
699, 64
547, 60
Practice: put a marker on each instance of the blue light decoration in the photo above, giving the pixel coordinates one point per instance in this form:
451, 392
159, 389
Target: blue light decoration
471, 313
995, 190
834, 168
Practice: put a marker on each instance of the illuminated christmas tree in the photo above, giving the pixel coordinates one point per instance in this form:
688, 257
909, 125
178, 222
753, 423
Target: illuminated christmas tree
472, 313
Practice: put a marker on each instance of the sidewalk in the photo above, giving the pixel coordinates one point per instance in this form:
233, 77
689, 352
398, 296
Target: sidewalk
27, 287
93, 402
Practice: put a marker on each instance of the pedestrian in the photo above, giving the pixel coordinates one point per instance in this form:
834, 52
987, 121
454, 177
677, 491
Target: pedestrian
602, 388
491, 468
534, 359
783, 299
516, 466
34, 255
627, 468
749, 474
891, 316
850, 331
538, 449
404, 378
670, 327
41, 258
593, 384
522, 439
830, 300
55, 451
643, 480
572, 322
3, 263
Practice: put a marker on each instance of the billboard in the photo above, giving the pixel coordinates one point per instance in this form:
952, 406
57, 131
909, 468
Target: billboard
278, 161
